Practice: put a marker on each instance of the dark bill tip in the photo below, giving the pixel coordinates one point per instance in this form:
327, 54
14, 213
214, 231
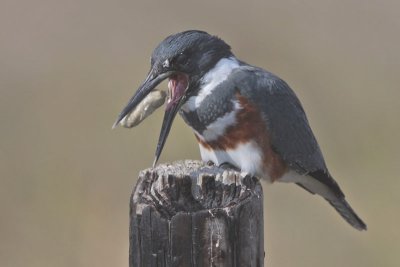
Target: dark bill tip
169, 116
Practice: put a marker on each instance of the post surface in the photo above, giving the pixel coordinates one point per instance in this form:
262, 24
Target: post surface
190, 214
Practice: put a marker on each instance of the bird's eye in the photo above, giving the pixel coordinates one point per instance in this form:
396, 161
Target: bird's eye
181, 59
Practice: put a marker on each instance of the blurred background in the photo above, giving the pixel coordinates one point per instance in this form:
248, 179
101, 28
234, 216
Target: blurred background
68, 67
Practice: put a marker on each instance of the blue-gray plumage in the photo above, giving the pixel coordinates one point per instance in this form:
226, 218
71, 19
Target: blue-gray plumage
291, 135
242, 115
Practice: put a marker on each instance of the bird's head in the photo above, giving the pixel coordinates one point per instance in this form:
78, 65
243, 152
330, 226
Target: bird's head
183, 58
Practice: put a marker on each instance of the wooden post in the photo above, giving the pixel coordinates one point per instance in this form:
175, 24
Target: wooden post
190, 214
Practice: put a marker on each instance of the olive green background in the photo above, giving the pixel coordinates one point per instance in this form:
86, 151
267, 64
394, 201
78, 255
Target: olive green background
68, 67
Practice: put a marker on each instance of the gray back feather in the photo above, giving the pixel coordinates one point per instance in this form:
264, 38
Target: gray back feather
290, 133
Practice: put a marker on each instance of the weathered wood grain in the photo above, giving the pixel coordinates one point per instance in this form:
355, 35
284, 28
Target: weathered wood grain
190, 214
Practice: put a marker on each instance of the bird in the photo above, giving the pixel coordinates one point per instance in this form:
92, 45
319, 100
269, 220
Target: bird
242, 116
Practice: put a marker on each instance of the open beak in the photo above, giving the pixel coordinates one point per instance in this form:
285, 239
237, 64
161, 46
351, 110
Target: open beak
147, 86
177, 85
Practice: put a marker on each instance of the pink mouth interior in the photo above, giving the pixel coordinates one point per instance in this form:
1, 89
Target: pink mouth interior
177, 85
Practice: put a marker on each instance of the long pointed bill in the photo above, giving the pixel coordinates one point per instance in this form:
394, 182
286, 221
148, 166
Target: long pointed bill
177, 85
147, 86
169, 117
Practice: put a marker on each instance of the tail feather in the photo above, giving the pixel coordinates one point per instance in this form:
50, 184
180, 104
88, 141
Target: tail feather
344, 209
324, 185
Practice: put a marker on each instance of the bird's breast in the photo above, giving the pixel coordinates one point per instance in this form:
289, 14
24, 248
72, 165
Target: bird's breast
240, 137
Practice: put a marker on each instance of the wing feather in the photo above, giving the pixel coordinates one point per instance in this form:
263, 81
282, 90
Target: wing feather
288, 126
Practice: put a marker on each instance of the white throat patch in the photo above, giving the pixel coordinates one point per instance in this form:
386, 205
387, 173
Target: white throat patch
211, 80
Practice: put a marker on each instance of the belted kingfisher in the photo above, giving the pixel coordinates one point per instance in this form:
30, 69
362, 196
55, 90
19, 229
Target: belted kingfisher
242, 116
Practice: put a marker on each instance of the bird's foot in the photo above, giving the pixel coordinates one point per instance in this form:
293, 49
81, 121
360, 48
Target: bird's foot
210, 163
228, 166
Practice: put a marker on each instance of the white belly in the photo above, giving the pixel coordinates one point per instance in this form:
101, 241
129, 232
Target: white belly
247, 157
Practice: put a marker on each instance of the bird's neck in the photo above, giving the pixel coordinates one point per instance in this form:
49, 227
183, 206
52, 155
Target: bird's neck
218, 73
212, 98
210, 81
